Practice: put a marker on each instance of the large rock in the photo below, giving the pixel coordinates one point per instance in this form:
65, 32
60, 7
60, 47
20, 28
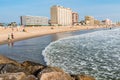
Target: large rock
31, 77
82, 77
5, 60
10, 68
8, 65
32, 67
53, 73
30, 63
13, 76
55, 76
51, 69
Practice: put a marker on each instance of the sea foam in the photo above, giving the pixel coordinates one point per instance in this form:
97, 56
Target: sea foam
96, 54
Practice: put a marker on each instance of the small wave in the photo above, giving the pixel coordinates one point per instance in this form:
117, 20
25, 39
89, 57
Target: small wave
96, 54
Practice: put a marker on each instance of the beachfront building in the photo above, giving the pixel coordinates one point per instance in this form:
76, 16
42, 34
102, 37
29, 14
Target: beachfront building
75, 18
12, 24
61, 16
1, 24
97, 22
107, 22
117, 23
89, 20
34, 20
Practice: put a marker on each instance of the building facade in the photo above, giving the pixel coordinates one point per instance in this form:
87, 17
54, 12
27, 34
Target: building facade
34, 20
61, 16
107, 22
75, 18
1, 24
97, 22
89, 20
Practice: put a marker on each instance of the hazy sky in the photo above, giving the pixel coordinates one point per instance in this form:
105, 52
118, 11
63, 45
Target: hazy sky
11, 10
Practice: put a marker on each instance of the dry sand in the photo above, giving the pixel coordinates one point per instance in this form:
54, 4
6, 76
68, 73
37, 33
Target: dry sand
36, 31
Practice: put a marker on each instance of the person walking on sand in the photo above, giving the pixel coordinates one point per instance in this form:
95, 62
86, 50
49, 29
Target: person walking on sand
12, 36
9, 37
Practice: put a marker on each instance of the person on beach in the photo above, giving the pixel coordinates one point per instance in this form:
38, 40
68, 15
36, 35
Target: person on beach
12, 36
52, 28
24, 30
9, 37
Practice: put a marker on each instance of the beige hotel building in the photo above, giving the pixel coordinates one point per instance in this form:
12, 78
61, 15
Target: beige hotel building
89, 20
61, 16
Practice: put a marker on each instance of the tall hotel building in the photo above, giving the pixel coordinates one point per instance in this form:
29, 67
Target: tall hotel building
61, 16
75, 18
33, 20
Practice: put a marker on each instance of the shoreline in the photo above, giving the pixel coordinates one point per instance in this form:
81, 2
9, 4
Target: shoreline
32, 32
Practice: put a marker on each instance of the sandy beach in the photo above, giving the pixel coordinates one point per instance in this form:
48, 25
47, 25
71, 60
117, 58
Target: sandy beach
31, 32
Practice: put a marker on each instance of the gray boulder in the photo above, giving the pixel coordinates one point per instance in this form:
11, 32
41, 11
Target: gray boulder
10, 68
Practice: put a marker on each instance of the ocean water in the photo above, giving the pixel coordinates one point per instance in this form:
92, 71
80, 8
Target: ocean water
27, 50
31, 49
96, 54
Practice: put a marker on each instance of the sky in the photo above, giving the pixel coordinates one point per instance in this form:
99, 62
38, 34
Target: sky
11, 10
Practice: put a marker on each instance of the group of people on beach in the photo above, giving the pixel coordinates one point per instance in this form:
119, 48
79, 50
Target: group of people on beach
10, 39
10, 36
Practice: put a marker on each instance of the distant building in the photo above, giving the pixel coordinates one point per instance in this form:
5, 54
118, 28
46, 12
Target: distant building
107, 22
117, 23
13, 24
34, 20
82, 22
61, 16
1, 24
89, 20
97, 22
75, 18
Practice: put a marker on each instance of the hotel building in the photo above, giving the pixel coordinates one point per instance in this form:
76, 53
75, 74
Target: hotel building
89, 20
97, 22
34, 20
75, 18
61, 16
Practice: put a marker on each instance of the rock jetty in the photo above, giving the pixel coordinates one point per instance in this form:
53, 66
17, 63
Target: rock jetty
12, 70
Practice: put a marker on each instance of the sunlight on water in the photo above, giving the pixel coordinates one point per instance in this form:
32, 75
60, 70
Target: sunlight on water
96, 54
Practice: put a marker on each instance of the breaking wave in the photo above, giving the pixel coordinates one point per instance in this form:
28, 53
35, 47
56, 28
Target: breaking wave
96, 54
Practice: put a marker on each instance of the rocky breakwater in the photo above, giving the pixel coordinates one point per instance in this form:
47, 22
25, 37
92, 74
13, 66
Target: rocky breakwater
12, 70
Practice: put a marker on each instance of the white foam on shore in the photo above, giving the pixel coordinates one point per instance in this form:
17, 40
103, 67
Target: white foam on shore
96, 54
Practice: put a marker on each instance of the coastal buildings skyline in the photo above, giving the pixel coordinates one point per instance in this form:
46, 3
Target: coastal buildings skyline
60, 16
11, 10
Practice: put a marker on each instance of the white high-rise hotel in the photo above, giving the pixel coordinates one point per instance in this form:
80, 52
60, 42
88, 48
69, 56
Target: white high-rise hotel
34, 20
61, 16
